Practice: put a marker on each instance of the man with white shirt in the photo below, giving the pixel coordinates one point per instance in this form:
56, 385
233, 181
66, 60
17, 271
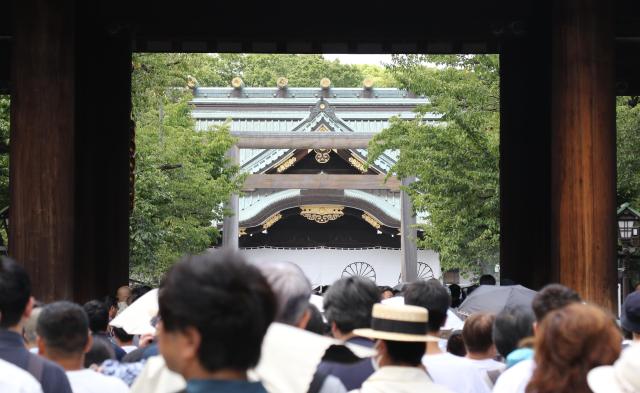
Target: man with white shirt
481, 352
454, 372
13, 379
64, 337
550, 298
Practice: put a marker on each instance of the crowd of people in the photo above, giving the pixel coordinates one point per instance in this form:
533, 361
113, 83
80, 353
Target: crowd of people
226, 325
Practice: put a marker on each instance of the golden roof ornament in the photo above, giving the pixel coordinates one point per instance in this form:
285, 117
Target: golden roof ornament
368, 83
237, 83
282, 83
325, 83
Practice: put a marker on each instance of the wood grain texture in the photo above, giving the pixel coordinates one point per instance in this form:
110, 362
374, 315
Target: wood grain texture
42, 170
583, 149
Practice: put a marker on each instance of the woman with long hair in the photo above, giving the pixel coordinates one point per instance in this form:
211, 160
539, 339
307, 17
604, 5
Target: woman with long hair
570, 342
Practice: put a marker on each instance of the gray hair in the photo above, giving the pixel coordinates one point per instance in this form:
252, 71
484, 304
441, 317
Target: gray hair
291, 288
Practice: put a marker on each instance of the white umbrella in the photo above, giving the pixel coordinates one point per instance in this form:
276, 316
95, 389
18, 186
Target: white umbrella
136, 319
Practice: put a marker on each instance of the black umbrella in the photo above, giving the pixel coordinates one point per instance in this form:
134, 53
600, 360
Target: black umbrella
491, 298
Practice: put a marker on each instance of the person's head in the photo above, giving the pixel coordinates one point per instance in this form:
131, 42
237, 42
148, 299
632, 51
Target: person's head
98, 314
553, 297
487, 279
63, 332
512, 324
123, 293
316, 324
434, 297
400, 353
215, 309
630, 318
292, 291
386, 292
122, 337
477, 334
401, 333
99, 351
570, 341
455, 344
137, 292
348, 303
15, 294
30, 333
456, 292
112, 305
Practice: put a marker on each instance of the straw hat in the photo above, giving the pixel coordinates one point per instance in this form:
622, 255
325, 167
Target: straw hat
622, 377
398, 323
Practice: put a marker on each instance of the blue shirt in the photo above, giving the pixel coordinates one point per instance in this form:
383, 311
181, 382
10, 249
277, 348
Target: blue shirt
223, 386
53, 378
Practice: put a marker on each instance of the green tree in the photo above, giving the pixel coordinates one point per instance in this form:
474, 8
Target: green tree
182, 176
628, 142
455, 159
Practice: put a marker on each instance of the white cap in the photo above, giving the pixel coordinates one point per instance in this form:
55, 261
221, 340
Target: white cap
622, 377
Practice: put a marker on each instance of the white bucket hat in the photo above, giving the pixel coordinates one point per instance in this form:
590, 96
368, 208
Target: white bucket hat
622, 377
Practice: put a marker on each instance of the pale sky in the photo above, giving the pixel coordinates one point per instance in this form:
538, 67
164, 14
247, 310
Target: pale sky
359, 59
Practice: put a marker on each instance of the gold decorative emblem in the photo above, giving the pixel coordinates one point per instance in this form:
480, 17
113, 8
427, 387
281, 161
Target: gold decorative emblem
282, 82
359, 165
323, 127
368, 83
286, 164
322, 107
322, 155
371, 220
322, 214
237, 82
243, 232
271, 220
325, 83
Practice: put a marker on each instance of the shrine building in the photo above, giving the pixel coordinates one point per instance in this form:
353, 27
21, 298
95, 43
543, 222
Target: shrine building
310, 197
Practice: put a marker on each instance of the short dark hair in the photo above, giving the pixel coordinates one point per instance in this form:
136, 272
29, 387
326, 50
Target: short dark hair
477, 332
98, 314
402, 352
64, 327
553, 297
349, 301
455, 344
137, 292
101, 350
512, 324
228, 301
487, 279
122, 334
15, 291
316, 324
431, 295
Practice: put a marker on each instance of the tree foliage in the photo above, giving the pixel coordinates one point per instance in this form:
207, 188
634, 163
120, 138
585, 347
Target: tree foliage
455, 160
182, 176
182, 179
628, 142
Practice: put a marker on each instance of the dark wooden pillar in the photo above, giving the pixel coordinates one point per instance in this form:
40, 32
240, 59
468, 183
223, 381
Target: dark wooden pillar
103, 126
70, 128
583, 164
42, 226
525, 175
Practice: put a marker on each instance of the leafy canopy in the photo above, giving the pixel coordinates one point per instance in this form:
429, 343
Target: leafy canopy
455, 159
